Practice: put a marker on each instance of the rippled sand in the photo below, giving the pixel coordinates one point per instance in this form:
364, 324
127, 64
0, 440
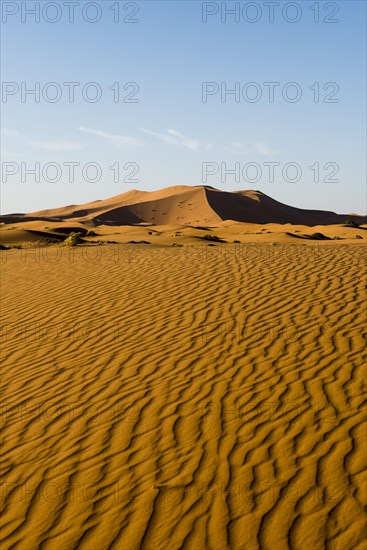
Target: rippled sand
168, 398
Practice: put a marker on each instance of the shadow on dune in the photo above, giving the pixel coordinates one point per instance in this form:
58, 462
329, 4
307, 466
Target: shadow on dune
199, 206
256, 207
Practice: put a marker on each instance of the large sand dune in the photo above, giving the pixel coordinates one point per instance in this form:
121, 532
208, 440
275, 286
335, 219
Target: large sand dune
187, 205
163, 398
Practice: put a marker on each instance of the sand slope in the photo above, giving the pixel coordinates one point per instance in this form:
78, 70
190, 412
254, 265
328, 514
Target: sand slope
28, 234
187, 205
175, 398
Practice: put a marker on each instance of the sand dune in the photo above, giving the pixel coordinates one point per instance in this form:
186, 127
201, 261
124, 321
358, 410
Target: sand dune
28, 234
160, 398
203, 391
186, 205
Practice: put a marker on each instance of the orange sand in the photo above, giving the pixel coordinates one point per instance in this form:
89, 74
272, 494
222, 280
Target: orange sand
161, 398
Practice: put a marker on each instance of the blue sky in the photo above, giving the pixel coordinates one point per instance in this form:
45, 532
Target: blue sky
165, 136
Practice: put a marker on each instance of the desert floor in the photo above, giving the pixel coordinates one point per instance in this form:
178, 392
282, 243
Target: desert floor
159, 397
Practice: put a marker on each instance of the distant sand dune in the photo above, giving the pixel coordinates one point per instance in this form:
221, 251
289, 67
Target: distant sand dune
184, 400
187, 205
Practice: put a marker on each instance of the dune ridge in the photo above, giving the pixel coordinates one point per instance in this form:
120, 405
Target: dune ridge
186, 205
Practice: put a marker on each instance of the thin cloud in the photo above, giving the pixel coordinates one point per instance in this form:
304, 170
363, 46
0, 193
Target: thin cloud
264, 150
236, 147
9, 133
241, 148
47, 145
57, 145
118, 141
174, 137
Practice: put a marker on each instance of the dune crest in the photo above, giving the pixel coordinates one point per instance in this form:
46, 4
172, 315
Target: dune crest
186, 205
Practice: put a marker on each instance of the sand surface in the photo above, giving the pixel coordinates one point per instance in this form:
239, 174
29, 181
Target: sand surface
199, 397
186, 205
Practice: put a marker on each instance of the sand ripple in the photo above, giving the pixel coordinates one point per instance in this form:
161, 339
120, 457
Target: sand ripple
173, 398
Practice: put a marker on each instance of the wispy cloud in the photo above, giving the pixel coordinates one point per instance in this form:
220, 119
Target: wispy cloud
57, 145
48, 145
174, 137
236, 147
9, 133
248, 149
264, 150
171, 137
118, 141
